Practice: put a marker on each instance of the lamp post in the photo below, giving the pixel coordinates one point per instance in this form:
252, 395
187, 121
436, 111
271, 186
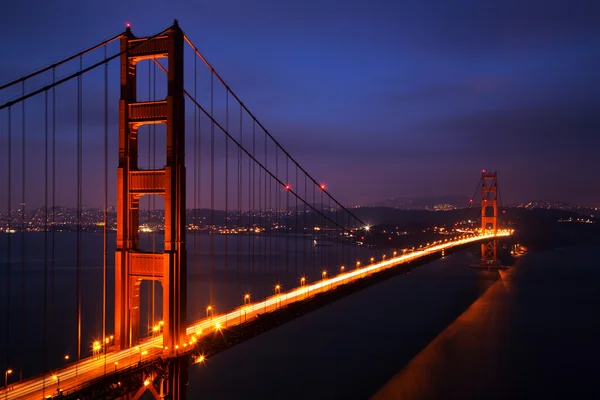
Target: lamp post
277, 292
66, 360
116, 364
209, 309
246, 301
6, 374
302, 283
57, 379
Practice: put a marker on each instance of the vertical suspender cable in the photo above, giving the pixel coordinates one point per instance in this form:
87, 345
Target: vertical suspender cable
104, 209
265, 211
261, 217
305, 227
248, 216
45, 338
148, 213
195, 252
249, 224
239, 219
9, 245
251, 195
79, 136
53, 291
273, 265
153, 206
322, 226
22, 319
313, 247
212, 187
296, 226
200, 177
287, 222
277, 250
226, 200
331, 233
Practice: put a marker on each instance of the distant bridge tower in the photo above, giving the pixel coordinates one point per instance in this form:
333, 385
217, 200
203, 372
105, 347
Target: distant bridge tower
132, 266
489, 219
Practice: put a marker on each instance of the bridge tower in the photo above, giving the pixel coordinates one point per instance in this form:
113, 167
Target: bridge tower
489, 219
132, 266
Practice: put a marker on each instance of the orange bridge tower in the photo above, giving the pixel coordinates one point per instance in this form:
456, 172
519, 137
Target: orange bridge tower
132, 266
489, 219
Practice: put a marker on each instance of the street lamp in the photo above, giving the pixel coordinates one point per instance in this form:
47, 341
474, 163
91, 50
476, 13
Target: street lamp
57, 379
372, 259
302, 281
277, 292
209, 309
395, 253
66, 360
96, 348
342, 268
358, 264
6, 374
324, 274
116, 364
246, 301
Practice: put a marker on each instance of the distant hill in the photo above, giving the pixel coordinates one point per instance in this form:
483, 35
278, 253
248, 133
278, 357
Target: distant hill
446, 202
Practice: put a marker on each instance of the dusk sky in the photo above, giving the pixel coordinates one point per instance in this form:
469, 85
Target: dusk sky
380, 98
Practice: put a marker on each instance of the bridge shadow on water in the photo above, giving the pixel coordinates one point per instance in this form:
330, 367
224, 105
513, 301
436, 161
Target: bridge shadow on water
479, 331
533, 333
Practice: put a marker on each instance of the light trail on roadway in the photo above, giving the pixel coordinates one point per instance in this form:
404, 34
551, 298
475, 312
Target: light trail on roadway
94, 367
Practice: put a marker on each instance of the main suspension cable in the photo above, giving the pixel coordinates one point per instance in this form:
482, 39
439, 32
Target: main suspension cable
261, 126
57, 64
78, 73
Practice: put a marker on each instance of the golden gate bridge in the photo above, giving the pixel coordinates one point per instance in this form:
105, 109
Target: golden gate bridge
277, 242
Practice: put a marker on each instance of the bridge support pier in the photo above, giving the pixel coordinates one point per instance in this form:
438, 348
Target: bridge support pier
170, 384
175, 386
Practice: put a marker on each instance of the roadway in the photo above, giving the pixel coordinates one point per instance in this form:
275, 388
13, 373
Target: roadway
94, 367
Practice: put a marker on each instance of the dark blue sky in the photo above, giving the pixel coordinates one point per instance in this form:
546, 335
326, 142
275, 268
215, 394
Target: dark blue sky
381, 98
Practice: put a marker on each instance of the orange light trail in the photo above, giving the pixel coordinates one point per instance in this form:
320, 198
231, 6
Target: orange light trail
93, 367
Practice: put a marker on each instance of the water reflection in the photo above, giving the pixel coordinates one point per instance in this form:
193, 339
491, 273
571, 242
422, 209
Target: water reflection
454, 357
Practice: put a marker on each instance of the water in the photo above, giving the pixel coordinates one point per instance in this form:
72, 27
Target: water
442, 331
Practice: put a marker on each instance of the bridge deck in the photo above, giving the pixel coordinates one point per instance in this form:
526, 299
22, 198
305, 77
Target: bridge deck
94, 367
